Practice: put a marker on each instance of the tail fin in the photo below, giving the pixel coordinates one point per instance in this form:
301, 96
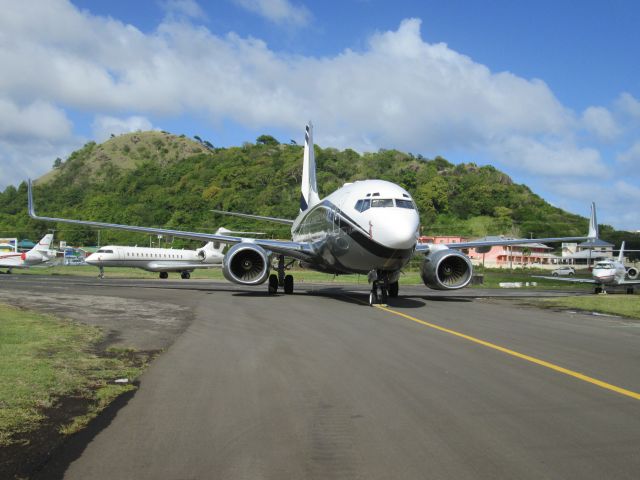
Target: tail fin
309, 195
593, 223
621, 254
44, 245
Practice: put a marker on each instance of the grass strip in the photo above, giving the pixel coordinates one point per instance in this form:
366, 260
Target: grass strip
44, 359
623, 305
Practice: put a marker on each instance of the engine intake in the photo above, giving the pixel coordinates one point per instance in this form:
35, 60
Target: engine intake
246, 264
632, 273
446, 270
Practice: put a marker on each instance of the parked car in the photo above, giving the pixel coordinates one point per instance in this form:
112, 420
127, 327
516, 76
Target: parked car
564, 271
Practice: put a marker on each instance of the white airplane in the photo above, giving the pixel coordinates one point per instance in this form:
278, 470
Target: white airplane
608, 273
162, 260
369, 227
40, 253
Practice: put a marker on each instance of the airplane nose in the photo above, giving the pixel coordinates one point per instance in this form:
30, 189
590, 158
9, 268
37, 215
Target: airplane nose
399, 231
91, 259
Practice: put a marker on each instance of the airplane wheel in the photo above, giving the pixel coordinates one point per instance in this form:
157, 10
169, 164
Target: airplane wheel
373, 298
164, 275
288, 284
629, 290
597, 290
393, 289
273, 283
185, 275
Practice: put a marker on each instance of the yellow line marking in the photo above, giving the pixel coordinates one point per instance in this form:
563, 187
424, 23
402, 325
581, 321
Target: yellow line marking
522, 356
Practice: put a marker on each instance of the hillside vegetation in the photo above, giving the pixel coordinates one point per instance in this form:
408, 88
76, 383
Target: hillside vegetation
159, 179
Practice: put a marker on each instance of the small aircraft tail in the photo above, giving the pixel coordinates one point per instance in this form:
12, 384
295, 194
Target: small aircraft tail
621, 254
593, 223
309, 194
218, 246
44, 245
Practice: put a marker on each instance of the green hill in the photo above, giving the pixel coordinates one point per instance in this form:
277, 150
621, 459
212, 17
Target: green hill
159, 179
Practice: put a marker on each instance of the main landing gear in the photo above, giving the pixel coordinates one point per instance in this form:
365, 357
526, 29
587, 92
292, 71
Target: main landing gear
281, 279
381, 288
164, 275
185, 275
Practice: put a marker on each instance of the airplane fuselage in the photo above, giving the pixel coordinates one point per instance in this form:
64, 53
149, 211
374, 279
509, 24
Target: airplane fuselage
609, 273
363, 226
152, 259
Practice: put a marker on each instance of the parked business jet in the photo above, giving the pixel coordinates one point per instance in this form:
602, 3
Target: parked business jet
368, 227
608, 273
39, 254
162, 260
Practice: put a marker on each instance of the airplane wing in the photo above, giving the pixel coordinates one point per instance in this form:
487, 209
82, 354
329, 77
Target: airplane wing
286, 221
567, 279
426, 247
629, 282
593, 234
299, 250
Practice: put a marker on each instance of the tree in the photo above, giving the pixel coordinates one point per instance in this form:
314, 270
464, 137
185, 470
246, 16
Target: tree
267, 140
57, 163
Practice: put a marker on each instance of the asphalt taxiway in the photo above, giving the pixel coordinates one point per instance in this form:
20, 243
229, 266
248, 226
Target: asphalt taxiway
319, 385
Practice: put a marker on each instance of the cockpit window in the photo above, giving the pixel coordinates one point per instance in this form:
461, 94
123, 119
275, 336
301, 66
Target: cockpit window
381, 202
104, 250
404, 204
603, 265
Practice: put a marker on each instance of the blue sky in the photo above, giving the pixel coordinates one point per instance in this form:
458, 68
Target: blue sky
548, 92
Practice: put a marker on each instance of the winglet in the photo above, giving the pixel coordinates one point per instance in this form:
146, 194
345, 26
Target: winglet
32, 212
593, 223
621, 254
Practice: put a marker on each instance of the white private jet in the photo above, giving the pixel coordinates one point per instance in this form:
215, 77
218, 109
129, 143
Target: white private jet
39, 254
608, 273
368, 227
162, 260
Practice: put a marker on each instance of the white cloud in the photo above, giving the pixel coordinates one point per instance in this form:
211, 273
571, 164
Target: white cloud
600, 122
183, 8
550, 159
278, 11
629, 105
37, 119
631, 156
104, 126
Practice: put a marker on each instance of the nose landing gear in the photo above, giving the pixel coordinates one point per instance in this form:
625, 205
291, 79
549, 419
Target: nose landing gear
381, 287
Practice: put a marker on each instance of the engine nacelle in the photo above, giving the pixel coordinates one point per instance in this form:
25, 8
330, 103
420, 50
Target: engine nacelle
446, 270
246, 264
31, 257
632, 273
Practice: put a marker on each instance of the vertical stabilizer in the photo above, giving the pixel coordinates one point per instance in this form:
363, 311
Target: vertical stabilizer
621, 254
309, 194
44, 245
593, 223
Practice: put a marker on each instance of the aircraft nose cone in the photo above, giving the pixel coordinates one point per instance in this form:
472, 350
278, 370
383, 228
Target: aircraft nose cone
91, 259
397, 231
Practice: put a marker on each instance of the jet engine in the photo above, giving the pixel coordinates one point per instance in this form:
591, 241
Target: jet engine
632, 273
246, 264
446, 270
31, 257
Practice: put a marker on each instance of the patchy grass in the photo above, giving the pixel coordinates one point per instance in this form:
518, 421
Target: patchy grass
623, 305
491, 277
44, 359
